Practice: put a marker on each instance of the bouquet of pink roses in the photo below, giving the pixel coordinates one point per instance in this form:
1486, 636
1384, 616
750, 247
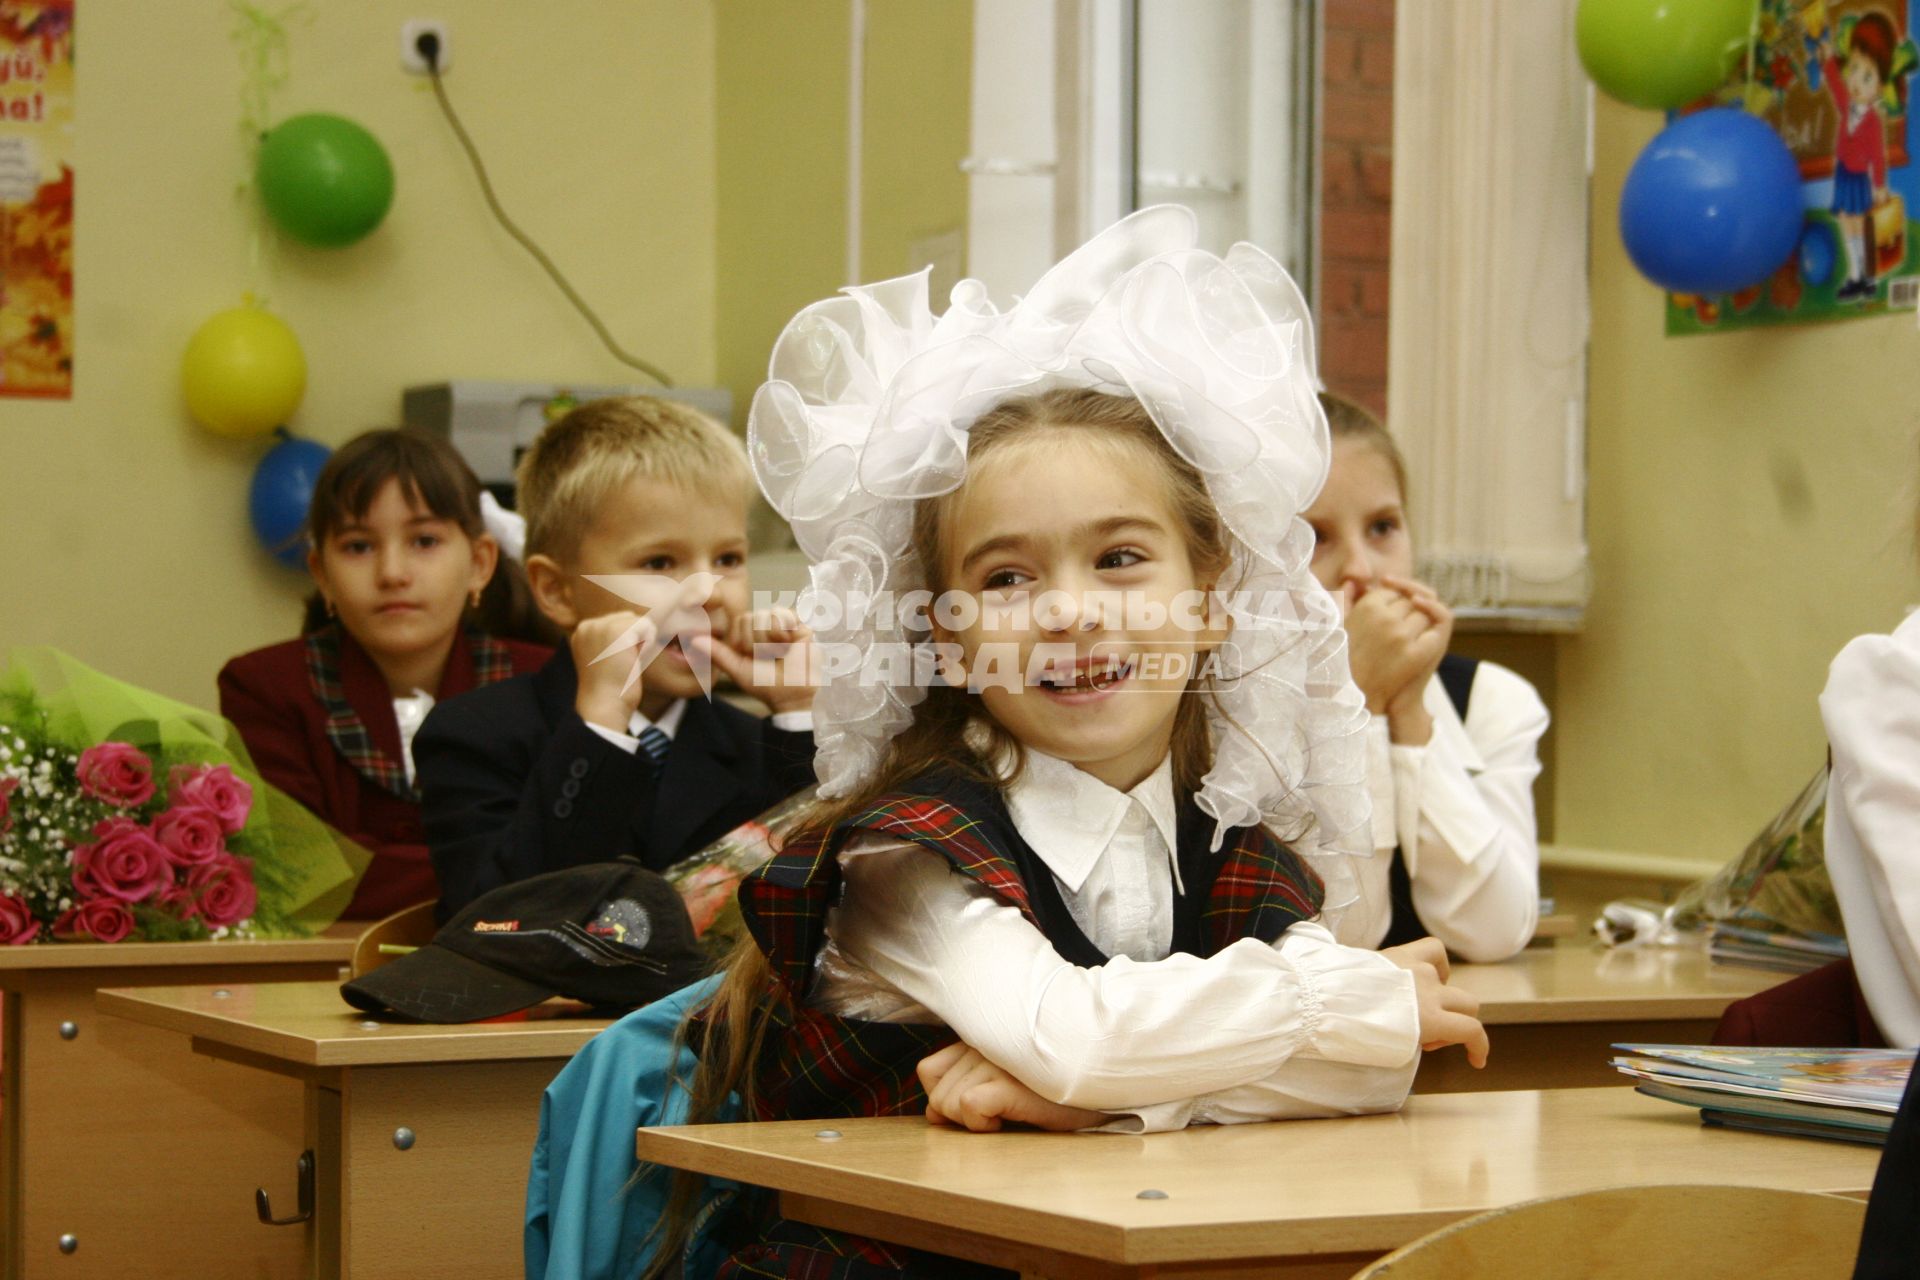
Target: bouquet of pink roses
126, 815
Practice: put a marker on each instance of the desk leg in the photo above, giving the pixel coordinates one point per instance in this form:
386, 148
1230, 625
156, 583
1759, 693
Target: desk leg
450, 1206
10, 1180
328, 1228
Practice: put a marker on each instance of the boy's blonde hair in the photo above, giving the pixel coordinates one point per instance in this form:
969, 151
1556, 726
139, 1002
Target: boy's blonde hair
565, 479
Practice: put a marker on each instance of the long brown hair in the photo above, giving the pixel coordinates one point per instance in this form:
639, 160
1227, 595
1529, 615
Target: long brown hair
433, 476
737, 1018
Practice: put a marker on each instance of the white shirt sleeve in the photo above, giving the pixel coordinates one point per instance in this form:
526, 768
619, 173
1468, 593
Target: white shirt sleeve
1871, 707
1469, 837
1303, 1027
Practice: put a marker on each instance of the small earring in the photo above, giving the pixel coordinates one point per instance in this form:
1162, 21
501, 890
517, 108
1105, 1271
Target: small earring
333, 610
475, 597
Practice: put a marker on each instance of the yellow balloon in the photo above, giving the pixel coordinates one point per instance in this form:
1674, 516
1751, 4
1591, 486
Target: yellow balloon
243, 373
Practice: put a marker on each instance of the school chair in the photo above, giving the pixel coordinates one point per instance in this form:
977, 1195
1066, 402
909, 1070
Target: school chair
408, 927
1632, 1233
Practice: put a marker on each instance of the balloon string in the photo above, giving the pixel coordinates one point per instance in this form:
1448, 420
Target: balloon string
261, 39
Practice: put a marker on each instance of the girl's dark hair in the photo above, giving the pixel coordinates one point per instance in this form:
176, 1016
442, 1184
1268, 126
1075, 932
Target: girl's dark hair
434, 476
741, 1013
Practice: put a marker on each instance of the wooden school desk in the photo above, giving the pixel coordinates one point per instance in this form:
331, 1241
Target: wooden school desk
420, 1134
1551, 1012
1297, 1199
99, 1117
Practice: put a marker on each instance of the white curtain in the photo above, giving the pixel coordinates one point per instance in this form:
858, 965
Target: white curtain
1488, 318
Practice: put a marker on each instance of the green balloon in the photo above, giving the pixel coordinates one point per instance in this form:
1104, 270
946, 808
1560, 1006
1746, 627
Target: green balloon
1662, 54
325, 180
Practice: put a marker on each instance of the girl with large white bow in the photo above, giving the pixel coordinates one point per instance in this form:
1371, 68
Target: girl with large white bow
1082, 875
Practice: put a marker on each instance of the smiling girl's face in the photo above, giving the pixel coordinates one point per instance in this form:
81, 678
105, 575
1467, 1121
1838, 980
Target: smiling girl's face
398, 575
1084, 520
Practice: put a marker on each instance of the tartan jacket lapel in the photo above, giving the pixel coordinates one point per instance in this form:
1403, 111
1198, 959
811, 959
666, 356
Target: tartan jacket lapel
475, 660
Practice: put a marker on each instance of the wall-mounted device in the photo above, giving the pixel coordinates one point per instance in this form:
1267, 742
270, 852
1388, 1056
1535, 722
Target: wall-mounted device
492, 423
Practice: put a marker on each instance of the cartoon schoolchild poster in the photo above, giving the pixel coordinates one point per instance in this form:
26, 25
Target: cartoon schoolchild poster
36, 198
1833, 79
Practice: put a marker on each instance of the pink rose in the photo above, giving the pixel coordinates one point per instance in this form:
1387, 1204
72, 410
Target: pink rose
224, 890
17, 925
7, 787
190, 835
116, 773
124, 861
213, 788
177, 901
101, 919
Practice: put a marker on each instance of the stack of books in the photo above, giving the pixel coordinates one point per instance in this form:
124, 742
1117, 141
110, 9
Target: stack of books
1847, 1094
1765, 945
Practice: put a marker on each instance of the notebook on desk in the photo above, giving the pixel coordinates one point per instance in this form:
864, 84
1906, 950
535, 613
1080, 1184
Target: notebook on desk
1846, 1094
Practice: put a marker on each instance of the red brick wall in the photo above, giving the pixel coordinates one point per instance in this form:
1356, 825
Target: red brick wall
1356, 196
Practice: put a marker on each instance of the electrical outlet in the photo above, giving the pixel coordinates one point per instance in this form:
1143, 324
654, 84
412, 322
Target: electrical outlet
412, 58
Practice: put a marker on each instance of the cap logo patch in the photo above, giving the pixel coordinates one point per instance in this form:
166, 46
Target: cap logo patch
623, 921
496, 926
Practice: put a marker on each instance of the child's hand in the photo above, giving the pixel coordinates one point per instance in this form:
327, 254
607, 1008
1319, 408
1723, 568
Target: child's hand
769, 654
1446, 1013
608, 653
965, 1089
1409, 724
1390, 646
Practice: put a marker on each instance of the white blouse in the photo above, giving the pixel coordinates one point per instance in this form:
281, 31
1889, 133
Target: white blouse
1871, 707
409, 713
1304, 1027
1460, 809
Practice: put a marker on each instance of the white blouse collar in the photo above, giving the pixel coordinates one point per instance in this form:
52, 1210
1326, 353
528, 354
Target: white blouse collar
1071, 817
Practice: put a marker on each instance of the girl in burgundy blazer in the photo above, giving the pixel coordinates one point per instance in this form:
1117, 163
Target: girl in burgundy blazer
405, 571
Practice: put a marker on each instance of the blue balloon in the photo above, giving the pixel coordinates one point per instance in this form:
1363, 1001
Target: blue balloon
281, 491
1817, 252
1712, 205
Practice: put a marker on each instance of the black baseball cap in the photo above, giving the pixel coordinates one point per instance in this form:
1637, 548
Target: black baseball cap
612, 934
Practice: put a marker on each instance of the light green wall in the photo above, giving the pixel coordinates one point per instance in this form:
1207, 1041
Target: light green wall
683, 160
1750, 500
123, 534
781, 152
918, 122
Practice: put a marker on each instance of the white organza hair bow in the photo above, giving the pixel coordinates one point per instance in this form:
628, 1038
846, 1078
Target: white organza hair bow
866, 411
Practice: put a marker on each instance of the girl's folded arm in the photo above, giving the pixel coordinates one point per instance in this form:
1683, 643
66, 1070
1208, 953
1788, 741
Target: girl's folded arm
1471, 839
1126, 1034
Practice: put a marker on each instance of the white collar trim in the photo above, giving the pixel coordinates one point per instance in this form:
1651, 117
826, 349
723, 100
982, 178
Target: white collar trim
1070, 817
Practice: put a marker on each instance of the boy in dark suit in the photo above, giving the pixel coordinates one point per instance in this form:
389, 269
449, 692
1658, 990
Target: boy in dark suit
613, 748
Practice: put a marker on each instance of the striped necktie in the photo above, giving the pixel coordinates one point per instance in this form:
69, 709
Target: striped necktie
655, 744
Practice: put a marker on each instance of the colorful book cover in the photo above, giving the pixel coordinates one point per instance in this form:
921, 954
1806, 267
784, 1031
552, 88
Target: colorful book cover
1832, 78
1871, 1079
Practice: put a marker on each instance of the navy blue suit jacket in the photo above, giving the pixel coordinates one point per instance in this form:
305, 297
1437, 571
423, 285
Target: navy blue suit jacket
514, 783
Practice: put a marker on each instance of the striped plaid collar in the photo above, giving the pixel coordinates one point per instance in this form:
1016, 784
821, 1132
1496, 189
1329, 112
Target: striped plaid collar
348, 731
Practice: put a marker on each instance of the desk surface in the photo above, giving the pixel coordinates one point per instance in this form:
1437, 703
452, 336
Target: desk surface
1301, 1187
335, 943
1575, 980
308, 1024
